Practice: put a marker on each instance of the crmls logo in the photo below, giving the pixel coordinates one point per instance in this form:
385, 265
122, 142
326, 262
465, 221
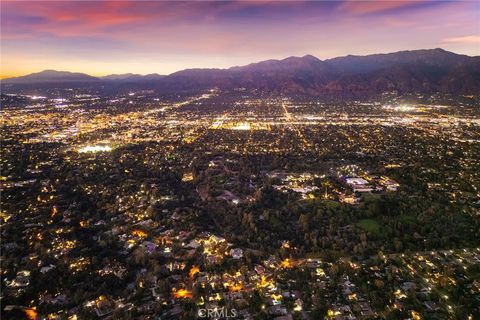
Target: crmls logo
217, 313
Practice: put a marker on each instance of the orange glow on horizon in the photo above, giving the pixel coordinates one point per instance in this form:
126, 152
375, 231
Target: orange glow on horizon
8, 76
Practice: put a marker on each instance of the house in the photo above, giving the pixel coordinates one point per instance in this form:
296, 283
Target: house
359, 184
259, 269
236, 253
46, 269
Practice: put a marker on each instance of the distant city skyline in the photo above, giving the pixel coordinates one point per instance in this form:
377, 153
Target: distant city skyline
108, 37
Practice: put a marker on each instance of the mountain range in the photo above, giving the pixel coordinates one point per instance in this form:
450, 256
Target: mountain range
132, 77
425, 71
53, 76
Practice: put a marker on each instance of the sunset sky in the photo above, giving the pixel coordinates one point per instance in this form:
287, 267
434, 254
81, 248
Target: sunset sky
104, 37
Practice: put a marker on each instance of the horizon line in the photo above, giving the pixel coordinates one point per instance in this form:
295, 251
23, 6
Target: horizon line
4, 77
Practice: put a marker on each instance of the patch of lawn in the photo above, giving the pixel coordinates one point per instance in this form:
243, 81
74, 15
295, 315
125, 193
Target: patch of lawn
369, 225
332, 204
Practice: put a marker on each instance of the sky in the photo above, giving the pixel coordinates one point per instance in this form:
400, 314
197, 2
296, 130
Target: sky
112, 37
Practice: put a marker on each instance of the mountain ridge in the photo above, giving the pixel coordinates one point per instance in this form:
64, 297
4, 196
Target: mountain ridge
52, 75
426, 70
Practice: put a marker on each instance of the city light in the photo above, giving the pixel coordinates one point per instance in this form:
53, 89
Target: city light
94, 149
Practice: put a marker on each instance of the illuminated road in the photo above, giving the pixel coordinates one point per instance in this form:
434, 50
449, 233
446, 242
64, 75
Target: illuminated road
291, 120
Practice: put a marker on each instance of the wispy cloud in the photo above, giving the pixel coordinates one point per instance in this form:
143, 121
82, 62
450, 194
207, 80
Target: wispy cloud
360, 7
464, 39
